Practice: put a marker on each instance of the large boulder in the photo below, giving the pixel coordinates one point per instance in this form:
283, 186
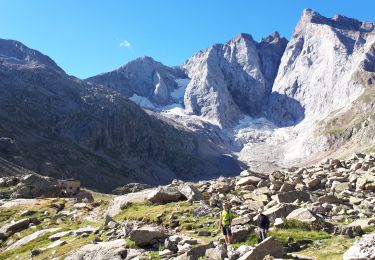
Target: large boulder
279, 211
37, 234
303, 214
217, 253
34, 185
250, 180
195, 252
291, 196
253, 205
190, 193
240, 233
220, 186
114, 249
171, 243
16, 226
349, 231
241, 220
164, 195
269, 246
363, 249
147, 235
119, 202
329, 198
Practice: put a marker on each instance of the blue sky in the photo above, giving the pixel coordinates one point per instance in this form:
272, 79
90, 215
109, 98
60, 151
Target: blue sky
89, 37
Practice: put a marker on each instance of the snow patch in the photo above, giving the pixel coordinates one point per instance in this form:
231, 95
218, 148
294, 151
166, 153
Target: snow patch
142, 101
178, 93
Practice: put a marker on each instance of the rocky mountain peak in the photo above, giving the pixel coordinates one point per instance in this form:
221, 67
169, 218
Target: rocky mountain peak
243, 36
14, 52
338, 22
273, 38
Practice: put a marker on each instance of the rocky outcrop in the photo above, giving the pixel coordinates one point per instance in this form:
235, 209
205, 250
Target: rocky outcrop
16, 226
363, 249
303, 214
232, 78
120, 202
28, 238
164, 195
340, 44
146, 236
269, 246
143, 77
103, 250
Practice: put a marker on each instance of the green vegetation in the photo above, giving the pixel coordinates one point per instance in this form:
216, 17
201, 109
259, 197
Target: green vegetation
153, 213
24, 251
298, 234
251, 240
154, 255
371, 149
329, 249
45, 211
130, 243
296, 224
368, 230
368, 96
71, 245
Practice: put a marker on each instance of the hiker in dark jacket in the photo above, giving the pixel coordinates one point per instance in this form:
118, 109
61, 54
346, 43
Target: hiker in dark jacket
263, 225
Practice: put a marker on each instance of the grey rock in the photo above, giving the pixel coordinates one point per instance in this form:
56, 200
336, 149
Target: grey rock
303, 214
60, 235
240, 233
23, 241
252, 180
190, 193
145, 235
17, 226
114, 249
362, 249
217, 253
164, 195
269, 246
279, 211
241, 220
172, 242
291, 196
84, 230
118, 202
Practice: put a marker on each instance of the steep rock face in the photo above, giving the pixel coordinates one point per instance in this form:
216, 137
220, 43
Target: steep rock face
61, 126
319, 67
143, 77
232, 78
14, 52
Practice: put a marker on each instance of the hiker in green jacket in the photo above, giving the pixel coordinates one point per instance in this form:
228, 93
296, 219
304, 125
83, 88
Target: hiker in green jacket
225, 222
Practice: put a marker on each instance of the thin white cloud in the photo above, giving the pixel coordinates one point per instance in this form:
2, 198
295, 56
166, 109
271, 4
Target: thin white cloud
125, 44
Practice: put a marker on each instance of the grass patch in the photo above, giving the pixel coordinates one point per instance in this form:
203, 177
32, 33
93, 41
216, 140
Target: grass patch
130, 243
24, 251
329, 249
64, 250
370, 149
251, 240
296, 224
154, 255
297, 234
153, 213
368, 230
